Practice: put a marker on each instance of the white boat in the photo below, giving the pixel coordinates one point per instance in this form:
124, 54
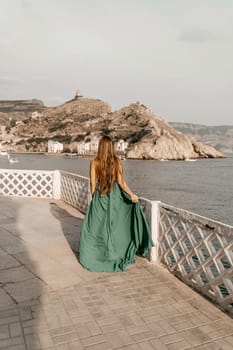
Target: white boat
190, 160
12, 160
3, 153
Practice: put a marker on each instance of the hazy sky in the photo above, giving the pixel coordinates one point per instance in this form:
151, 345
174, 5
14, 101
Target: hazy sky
174, 56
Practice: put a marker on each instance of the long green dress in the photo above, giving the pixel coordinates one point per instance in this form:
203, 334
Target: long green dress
113, 232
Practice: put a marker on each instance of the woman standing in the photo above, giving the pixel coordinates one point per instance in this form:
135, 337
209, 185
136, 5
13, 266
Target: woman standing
114, 229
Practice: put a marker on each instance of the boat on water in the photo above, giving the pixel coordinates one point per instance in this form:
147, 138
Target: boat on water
12, 160
190, 160
3, 153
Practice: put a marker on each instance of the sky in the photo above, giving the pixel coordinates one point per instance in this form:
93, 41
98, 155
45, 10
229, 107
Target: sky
174, 56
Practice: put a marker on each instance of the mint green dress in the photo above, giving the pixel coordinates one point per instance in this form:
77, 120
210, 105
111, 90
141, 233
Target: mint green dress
114, 230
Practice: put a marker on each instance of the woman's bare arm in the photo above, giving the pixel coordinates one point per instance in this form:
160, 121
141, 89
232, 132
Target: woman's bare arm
92, 175
124, 186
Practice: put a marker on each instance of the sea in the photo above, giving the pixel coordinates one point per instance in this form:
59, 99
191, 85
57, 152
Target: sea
204, 186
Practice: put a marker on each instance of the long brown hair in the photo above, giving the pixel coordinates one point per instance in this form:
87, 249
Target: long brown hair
107, 165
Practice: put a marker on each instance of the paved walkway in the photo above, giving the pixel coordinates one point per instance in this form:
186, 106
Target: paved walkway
48, 301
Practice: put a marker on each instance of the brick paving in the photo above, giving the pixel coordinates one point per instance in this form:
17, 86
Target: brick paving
48, 301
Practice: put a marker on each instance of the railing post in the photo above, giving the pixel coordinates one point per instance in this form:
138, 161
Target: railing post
56, 184
155, 213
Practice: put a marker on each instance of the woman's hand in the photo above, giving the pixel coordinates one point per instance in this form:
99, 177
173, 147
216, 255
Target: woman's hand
134, 198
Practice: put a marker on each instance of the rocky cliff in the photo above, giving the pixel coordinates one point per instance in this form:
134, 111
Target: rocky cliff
149, 136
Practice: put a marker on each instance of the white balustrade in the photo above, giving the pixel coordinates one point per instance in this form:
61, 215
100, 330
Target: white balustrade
75, 190
199, 251
26, 183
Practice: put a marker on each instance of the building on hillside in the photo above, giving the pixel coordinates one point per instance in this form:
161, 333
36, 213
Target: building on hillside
55, 146
36, 115
121, 146
94, 143
83, 147
89, 147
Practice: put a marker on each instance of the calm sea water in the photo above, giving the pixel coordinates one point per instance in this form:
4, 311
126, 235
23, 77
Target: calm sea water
203, 187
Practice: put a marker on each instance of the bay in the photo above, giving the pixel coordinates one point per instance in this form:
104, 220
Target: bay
203, 187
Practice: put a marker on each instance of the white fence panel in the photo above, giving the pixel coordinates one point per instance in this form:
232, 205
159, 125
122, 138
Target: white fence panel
199, 251
26, 183
75, 190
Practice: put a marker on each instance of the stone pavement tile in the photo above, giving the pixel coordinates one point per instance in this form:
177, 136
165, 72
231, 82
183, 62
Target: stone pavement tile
45, 339
166, 326
2, 252
83, 331
16, 247
7, 319
62, 330
209, 346
99, 346
171, 338
4, 332
18, 347
183, 325
15, 329
130, 347
157, 344
224, 344
93, 340
25, 313
5, 299
112, 327
5, 343
179, 345
139, 337
26, 290
9, 239
107, 320
32, 341
195, 336
76, 345
65, 338
119, 338
93, 328
145, 345
157, 330
8, 261
62, 347
137, 329
135, 318
217, 329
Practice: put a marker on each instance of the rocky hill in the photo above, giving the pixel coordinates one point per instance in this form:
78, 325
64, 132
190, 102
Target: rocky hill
149, 136
219, 137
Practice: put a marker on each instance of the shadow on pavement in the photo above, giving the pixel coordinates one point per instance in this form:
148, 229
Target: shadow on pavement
19, 286
71, 223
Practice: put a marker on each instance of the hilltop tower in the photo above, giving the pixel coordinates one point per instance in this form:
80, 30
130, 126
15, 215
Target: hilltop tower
77, 95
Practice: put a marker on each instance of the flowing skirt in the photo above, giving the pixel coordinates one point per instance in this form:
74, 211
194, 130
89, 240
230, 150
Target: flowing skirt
114, 230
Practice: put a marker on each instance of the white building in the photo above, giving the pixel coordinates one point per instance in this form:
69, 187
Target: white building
55, 146
88, 147
83, 147
94, 144
35, 115
121, 145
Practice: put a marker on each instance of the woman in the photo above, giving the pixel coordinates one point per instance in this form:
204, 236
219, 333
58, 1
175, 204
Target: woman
114, 228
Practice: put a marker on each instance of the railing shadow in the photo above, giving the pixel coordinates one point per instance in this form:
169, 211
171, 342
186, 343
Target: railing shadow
19, 285
71, 222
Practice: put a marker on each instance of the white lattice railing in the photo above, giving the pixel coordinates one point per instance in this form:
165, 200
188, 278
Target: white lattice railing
199, 251
75, 190
72, 188
26, 183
